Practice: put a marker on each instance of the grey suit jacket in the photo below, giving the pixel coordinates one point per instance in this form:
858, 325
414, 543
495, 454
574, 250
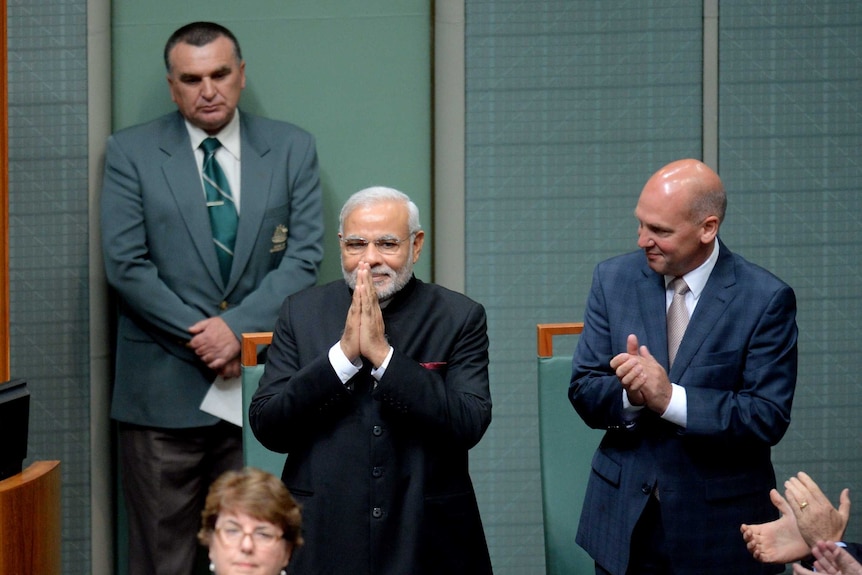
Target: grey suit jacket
159, 255
737, 362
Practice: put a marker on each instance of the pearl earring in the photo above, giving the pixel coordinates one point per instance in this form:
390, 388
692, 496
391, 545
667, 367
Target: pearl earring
212, 567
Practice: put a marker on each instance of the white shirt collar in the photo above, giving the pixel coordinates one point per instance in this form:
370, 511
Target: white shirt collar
228, 136
696, 279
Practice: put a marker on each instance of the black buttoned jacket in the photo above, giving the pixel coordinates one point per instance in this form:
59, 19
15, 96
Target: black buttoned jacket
381, 470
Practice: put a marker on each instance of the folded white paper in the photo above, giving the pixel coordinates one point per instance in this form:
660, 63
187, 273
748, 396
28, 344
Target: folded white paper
224, 399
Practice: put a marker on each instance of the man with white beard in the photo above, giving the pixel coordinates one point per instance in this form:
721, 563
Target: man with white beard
376, 387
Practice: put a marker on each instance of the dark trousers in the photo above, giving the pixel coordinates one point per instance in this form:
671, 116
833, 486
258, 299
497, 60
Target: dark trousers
648, 554
165, 475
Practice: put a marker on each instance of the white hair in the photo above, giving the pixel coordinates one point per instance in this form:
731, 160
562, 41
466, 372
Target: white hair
376, 195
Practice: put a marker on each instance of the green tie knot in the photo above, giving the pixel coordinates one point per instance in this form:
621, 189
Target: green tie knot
210, 145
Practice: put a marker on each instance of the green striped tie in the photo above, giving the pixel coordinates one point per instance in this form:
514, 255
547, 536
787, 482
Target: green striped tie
221, 207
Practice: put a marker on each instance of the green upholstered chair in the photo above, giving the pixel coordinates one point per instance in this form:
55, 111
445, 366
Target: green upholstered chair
255, 454
567, 447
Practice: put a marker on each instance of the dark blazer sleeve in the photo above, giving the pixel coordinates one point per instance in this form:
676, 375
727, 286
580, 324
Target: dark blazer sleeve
855, 549
299, 392
595, 391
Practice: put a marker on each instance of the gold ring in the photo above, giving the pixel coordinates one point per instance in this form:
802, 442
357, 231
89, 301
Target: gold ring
803, 505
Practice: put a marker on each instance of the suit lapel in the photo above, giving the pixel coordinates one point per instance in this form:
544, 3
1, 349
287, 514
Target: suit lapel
719, 291
651, 295
184, 182
255, 184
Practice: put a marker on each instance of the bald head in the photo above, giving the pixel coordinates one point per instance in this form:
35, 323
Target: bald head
679, 212
692, 184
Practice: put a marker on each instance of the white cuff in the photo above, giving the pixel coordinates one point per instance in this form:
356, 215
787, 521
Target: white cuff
377, 373
677, 410
344, 368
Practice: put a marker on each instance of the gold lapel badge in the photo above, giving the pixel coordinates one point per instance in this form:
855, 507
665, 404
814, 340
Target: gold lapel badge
279, 239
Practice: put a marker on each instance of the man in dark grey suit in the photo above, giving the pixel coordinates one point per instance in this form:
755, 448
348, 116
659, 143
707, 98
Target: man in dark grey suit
185, 293
685, 458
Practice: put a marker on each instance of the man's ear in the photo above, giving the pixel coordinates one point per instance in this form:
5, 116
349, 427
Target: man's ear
709, 229
418, 242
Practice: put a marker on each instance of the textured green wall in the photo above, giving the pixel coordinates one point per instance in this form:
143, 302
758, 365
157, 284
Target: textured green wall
571, 105
355, 74
48, 235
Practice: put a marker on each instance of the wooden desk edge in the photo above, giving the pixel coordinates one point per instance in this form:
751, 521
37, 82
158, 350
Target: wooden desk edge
35, 470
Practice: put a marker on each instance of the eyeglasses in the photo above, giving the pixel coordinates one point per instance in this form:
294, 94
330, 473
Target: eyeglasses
387, 245
233, 535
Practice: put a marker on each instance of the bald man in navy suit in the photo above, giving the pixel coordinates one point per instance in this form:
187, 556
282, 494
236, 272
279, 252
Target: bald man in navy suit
685, 458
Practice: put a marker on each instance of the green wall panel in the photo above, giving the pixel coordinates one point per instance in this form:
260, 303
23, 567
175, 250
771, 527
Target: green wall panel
790, 133
355, 74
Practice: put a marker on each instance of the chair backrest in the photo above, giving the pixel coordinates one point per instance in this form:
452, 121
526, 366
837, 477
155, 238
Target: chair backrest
255, 454
567, 447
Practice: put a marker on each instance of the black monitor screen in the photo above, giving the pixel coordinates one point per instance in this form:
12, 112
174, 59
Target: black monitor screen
14, 422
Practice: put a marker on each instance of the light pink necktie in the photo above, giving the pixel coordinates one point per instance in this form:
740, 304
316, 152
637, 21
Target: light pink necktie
677, 317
